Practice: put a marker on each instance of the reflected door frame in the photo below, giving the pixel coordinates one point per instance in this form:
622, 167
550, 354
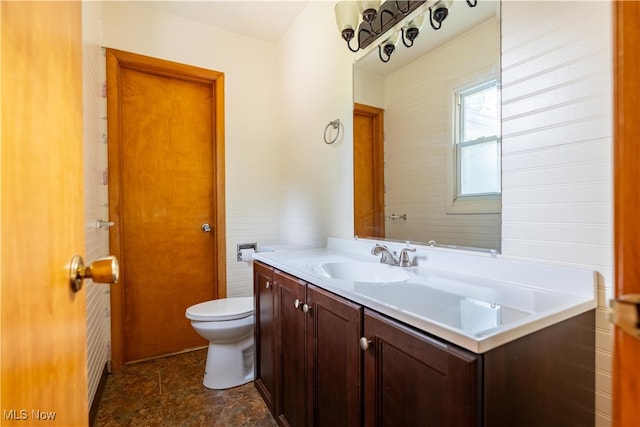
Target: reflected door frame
368, 171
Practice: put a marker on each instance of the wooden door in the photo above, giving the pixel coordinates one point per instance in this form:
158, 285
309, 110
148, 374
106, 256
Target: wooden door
43, 323
334, 360
626, 369
165, 184
291, 326
368, 171
265, 342
413, 380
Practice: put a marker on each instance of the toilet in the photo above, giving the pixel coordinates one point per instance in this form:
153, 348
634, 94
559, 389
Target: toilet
227, 324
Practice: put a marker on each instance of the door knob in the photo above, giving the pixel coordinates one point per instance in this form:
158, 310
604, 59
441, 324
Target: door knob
103, 270
206, 228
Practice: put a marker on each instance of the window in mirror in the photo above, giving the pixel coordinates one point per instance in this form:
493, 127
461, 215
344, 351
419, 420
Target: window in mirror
478, 169
477, 147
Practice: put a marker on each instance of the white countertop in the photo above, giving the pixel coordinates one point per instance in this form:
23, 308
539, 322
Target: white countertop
474, 300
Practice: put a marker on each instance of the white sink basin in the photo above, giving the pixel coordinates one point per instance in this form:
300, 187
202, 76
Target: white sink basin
444, 307
361, 272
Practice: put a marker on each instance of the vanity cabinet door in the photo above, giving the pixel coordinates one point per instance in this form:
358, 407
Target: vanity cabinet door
411, 379
291, 326
265, 339
334, 360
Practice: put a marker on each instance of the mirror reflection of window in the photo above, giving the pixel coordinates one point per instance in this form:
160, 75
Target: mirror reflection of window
478, 144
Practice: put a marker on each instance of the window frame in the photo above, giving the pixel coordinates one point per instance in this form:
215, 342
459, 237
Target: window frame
486, 203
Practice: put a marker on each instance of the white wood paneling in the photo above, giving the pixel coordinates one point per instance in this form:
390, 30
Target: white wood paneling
95, 204
417, 140
557, 136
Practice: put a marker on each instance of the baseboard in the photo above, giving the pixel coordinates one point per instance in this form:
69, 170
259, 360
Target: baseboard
95, 405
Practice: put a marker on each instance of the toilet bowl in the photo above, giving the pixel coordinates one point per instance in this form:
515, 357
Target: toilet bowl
227, 324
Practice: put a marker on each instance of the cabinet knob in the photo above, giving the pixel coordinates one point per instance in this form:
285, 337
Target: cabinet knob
365, 343
297, 303
306, 308
268, 285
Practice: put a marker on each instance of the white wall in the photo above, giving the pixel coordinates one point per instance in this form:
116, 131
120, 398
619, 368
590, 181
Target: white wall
253, 113
316, 199
557, 131
95, 192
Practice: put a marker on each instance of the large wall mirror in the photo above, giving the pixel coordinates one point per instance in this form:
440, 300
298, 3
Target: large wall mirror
439, 107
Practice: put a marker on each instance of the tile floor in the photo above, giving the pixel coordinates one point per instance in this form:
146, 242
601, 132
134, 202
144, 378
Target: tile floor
169, 392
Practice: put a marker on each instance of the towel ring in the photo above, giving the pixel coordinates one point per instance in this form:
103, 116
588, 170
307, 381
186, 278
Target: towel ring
334, 125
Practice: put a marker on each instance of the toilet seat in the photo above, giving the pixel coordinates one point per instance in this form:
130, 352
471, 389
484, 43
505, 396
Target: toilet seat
221, 309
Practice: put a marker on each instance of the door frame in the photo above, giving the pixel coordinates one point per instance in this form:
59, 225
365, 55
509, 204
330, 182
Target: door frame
376, 139
626, 202
116, 61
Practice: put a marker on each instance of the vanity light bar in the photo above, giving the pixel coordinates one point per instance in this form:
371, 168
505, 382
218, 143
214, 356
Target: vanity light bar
372, 22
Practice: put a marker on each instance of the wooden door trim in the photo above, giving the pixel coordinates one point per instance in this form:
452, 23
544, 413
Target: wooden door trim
377, 116
116, 61
626, 152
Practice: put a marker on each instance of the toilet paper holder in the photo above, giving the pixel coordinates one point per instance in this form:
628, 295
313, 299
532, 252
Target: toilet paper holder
241, 246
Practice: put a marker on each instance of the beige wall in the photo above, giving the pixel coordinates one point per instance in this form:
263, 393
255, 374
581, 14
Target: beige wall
316, 195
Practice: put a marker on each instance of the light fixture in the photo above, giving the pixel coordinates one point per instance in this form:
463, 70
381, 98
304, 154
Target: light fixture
402, 9
388, 47
369, 10
439, 12
365, 21
387, 16
347, 18
411, 31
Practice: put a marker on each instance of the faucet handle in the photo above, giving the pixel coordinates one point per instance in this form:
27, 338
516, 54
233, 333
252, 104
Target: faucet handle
404, 260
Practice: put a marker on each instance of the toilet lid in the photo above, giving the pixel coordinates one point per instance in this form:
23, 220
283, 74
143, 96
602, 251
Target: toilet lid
221, 309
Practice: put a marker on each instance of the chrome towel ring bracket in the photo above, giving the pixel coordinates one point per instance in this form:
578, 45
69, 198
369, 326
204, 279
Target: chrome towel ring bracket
335, 125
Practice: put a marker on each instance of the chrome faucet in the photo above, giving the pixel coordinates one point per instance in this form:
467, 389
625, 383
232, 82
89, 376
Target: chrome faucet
388, 257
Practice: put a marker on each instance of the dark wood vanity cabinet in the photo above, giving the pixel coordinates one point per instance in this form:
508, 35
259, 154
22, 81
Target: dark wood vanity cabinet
411, 379
546, 378
311, 370
312, 350
265, 338
291, 350
334, 361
